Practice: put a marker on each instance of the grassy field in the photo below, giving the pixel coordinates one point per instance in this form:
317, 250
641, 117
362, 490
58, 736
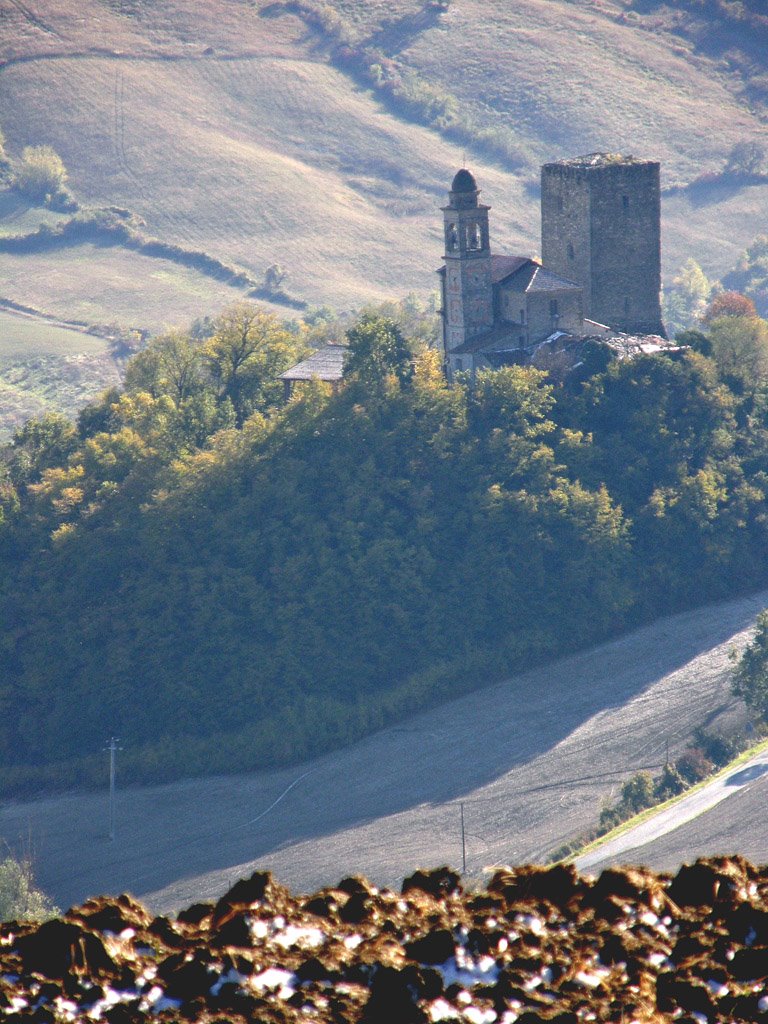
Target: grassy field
45, 367
111, 285
227, 129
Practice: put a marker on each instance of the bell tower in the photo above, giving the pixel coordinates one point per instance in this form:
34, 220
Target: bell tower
467, 288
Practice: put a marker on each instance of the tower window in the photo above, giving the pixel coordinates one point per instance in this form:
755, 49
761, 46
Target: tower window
453, 238
571, 253
474, 239
625, 202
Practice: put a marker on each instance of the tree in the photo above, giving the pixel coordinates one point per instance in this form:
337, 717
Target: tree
19, 899
40, 174
746, 158
274, 277
171, 364
750, 678
246, 355
750, 275
377, 350
740, 348
729, 304
40, 445
685, 302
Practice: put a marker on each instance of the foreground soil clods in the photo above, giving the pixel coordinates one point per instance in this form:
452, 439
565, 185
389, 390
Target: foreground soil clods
540, 944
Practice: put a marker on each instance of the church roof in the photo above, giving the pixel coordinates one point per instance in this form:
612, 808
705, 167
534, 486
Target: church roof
532, 277
325, 364
503, 266
502, 337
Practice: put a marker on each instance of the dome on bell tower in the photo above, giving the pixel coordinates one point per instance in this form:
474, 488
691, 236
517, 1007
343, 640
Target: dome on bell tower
464, 181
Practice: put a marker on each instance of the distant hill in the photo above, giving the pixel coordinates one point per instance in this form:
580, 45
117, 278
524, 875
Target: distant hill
254, 132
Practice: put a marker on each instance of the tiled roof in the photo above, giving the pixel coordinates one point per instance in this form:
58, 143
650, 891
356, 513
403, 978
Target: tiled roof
503, 266
325, 364
500, 337
545, 280
532, 277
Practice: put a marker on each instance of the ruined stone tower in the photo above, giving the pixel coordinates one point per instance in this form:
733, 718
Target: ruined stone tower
468, 304
600, 227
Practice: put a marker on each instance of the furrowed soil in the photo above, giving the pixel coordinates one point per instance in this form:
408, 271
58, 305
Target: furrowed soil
532, 760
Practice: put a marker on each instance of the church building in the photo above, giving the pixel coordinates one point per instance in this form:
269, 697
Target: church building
600, 275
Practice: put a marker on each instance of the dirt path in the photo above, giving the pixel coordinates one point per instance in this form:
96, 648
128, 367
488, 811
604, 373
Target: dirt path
532, 771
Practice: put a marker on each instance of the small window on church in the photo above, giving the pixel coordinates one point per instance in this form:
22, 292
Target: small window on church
553, 308
626, 306
506, 302
459, 365
571, 253
522, 316
559, 204
522, 341
625, 202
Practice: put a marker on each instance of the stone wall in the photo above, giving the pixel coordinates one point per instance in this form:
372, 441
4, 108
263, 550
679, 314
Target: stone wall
601, 228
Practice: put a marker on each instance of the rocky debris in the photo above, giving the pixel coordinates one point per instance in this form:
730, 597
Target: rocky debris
539, 944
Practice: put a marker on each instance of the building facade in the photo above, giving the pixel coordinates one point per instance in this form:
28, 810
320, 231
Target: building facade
494, 307
601, 227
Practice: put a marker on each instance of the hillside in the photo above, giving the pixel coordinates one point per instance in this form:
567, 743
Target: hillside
531, 775
239, 129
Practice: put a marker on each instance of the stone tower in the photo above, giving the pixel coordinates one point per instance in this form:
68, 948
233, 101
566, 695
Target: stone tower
600, 227
468, 297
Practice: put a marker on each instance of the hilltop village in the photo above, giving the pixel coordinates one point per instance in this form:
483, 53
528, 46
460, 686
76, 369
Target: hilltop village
599, 278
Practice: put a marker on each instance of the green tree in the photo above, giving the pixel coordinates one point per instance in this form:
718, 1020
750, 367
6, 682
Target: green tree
750, 275
377, 350
246, 355
171, 364
685, 301
750, 678
39, 445
740, 348
20, 900
41, 173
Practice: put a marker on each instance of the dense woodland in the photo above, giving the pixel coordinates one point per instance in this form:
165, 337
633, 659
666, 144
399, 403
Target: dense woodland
227, 578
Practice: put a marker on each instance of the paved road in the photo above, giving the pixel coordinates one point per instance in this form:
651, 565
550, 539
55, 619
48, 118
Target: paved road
624, 848
533, 759
738, 824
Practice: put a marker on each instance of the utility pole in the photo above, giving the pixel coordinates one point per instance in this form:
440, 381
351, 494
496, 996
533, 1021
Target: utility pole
463, 843
112, 748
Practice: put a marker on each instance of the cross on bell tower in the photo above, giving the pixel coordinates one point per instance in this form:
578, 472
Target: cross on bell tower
468, 292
